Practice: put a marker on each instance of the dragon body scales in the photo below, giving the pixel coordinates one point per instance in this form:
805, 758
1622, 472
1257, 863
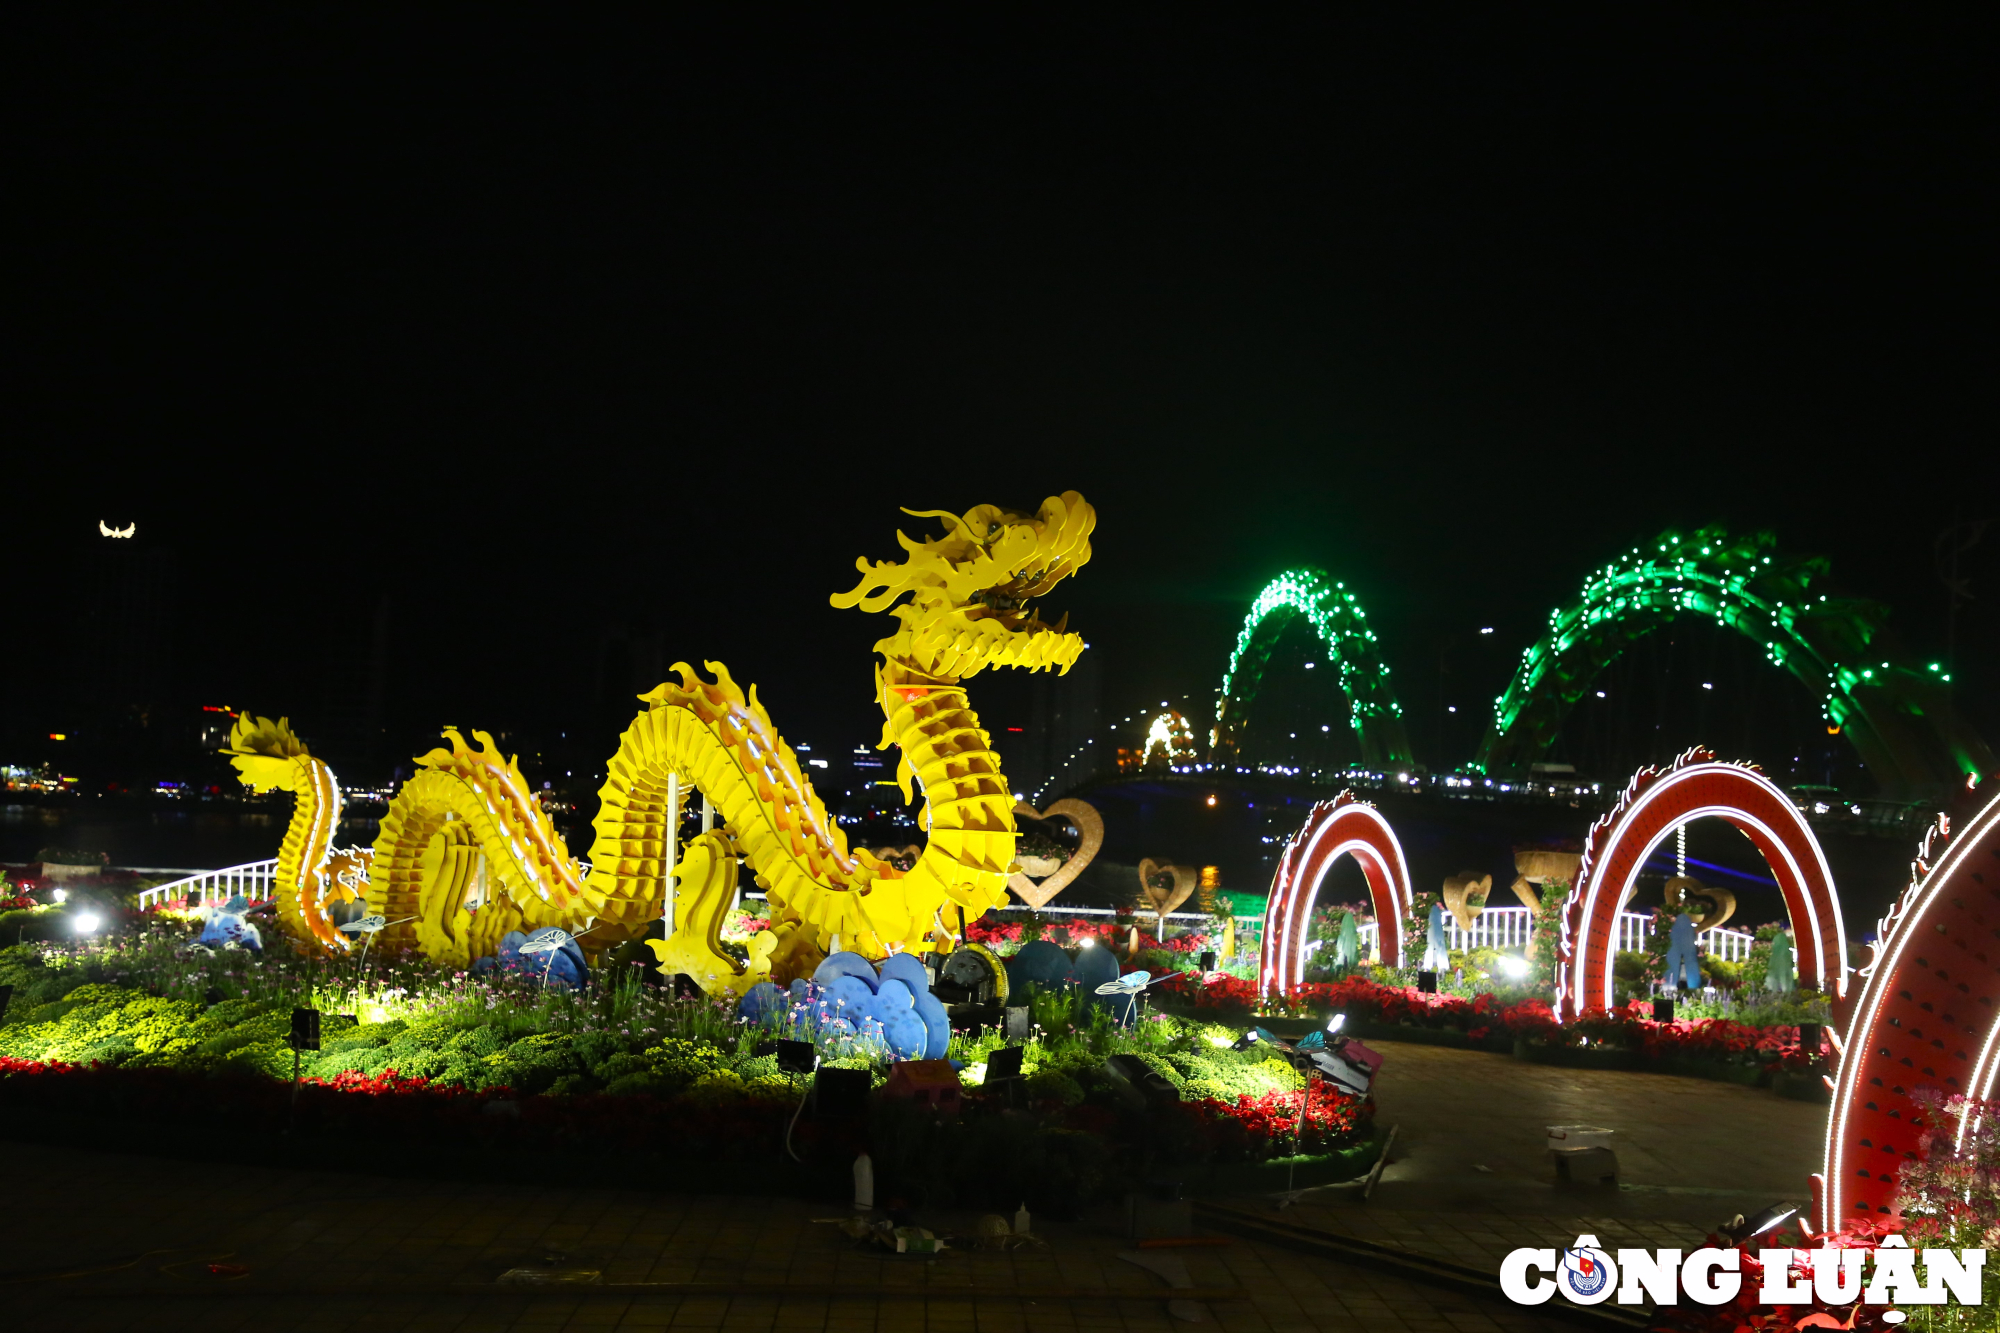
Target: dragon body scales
466, 852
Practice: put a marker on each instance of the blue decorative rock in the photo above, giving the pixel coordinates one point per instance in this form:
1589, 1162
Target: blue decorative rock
1094, 967
937, 1025
845, 965
905, 967
902, 1028
763, 1005
848, 999
1041, 964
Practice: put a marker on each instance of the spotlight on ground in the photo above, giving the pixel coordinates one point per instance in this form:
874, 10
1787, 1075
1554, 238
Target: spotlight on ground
86, 922
1515, 968
1335, 1023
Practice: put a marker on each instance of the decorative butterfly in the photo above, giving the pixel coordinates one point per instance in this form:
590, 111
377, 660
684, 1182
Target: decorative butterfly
546, 940
1132, 983
366, 925
109, 531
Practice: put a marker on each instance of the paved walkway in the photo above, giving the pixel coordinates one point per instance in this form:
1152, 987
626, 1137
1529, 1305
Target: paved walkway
1469, 1178
102, 1241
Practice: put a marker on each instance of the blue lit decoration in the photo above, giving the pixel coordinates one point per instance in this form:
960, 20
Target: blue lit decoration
1683, 958
230, 924
1437, 942
852, 1004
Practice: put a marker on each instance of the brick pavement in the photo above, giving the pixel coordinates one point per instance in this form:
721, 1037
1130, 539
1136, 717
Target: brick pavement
329, 1251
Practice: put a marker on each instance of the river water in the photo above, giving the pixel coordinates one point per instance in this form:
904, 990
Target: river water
155, 834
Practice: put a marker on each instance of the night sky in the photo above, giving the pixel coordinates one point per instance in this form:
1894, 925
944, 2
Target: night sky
500, 360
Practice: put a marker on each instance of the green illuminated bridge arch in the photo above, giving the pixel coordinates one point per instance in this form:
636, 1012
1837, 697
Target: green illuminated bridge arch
1840, 648
1343, 627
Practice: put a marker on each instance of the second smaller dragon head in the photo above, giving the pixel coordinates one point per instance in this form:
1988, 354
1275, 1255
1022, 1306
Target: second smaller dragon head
263, 751
970, 589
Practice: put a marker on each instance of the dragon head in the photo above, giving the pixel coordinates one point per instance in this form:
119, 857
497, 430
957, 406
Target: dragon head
262, 751
970, 589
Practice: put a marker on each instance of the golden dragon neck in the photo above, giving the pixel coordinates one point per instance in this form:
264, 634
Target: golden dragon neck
302, 856
968, 806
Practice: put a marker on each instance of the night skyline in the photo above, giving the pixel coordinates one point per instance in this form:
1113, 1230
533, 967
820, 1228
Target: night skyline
462, 375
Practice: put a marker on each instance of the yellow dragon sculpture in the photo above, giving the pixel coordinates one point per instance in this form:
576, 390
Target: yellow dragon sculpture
467, 854
267, 757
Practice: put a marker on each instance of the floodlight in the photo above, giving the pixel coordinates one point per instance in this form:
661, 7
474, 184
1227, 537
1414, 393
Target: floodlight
1335, 1023
1246, 1041
60, 895
1742, 1229
1347, 1077
1514, 967
1087, 942
86, 922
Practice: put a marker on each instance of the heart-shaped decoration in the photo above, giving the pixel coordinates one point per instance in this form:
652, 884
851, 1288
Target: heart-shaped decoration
1465, 897
1038, 893
1163, 899
903, 858
1689, 895
1535, 867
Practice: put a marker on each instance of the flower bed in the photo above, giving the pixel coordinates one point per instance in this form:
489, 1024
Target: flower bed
154, 1038
1623, 1038
1005, 937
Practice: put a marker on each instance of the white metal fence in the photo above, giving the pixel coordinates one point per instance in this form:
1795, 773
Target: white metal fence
1509, 928
1493, 928
251, 880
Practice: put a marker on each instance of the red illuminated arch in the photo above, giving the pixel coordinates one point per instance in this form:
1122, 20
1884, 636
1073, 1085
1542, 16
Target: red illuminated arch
1926, 1015
1657, 802
1336, 828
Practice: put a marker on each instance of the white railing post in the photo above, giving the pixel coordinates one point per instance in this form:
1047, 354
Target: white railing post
252, 881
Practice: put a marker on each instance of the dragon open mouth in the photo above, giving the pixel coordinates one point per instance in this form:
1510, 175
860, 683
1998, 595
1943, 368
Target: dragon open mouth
971, 590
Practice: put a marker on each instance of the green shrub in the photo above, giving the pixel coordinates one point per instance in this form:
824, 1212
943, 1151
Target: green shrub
535, 1063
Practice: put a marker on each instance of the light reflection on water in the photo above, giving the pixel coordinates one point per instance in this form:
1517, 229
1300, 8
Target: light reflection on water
200, 837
